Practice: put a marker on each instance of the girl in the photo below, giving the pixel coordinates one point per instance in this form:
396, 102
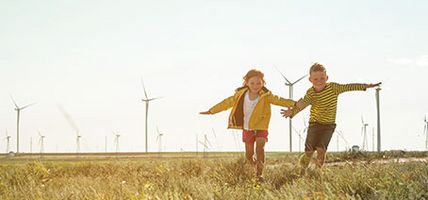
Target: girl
251, 112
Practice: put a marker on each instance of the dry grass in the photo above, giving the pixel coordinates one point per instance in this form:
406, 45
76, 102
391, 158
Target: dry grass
212, 178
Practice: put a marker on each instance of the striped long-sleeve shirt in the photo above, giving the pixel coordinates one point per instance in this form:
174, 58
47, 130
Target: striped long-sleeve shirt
324, 103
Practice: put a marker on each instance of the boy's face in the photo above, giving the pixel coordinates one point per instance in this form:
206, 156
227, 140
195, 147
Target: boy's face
255, 84
318, 80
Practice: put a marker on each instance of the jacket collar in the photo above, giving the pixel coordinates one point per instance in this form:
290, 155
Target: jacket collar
264, 91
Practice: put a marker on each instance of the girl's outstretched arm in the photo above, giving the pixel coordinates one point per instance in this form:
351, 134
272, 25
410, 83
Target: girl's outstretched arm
224, 105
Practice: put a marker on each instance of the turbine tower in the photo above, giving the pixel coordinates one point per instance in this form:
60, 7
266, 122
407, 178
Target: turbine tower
41, 141
290, 95
116, 140
7, 141
147, 100
378, 118
426, 133
364, 133
159, 139
18, 112
73, 126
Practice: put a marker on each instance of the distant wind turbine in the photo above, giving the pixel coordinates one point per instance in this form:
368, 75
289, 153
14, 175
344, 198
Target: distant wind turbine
7, 142
147, 100
426, 133
41, 141
18, 112
159, 139
206, 143
364, 133
290, 95
73, 126
339, 132
116, 140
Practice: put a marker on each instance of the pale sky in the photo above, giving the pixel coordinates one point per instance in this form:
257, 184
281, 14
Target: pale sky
89, 57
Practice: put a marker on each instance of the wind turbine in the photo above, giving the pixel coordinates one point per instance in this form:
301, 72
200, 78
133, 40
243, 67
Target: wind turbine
18, 112
300, 138
206, 143
73, 126
7, 141
426, 133
339, 132
364, 133
373, 140
41, 141
290, 95
147, 100
159, 139
116, 140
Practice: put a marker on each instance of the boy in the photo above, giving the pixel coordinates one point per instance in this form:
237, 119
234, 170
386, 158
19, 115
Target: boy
322, 97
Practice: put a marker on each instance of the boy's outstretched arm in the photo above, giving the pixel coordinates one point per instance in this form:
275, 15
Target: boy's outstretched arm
372, 85
300, 105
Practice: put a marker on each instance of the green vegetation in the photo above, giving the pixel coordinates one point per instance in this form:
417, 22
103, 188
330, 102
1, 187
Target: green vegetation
211, 178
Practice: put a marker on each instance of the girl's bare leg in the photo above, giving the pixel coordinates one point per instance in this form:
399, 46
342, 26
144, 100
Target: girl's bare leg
260, 154
249, 152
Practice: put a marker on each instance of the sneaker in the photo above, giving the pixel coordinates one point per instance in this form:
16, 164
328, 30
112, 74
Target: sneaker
302, 171
260, 179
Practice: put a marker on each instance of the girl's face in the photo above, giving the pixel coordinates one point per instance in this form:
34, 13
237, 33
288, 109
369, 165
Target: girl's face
255, 84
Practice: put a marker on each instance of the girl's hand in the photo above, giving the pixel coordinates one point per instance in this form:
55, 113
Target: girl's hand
205, 113
286, 113
371, 85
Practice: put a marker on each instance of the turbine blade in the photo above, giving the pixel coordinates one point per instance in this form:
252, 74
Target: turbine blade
215, 136
299, 79
27, 106
154, 98
203, 144
69, 119
295, 130
144, 88
14, 102
288, 82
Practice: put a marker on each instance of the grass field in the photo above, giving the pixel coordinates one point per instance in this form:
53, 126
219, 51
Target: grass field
217, 176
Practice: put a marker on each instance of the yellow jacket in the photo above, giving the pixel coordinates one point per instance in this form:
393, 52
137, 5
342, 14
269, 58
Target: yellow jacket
260, 116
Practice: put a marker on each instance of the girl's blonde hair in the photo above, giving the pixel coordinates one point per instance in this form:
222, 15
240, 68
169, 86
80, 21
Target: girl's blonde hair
252, 73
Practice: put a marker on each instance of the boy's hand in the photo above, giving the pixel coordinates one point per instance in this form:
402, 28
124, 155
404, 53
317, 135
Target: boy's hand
300, 104
205, 113
286, 113
371, 85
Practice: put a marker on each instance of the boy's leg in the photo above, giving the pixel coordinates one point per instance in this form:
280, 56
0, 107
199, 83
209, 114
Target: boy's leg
260, 153
325, 136
310, 143
321, 156
305, 159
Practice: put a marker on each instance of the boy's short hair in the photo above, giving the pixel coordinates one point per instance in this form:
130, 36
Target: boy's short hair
316, 67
